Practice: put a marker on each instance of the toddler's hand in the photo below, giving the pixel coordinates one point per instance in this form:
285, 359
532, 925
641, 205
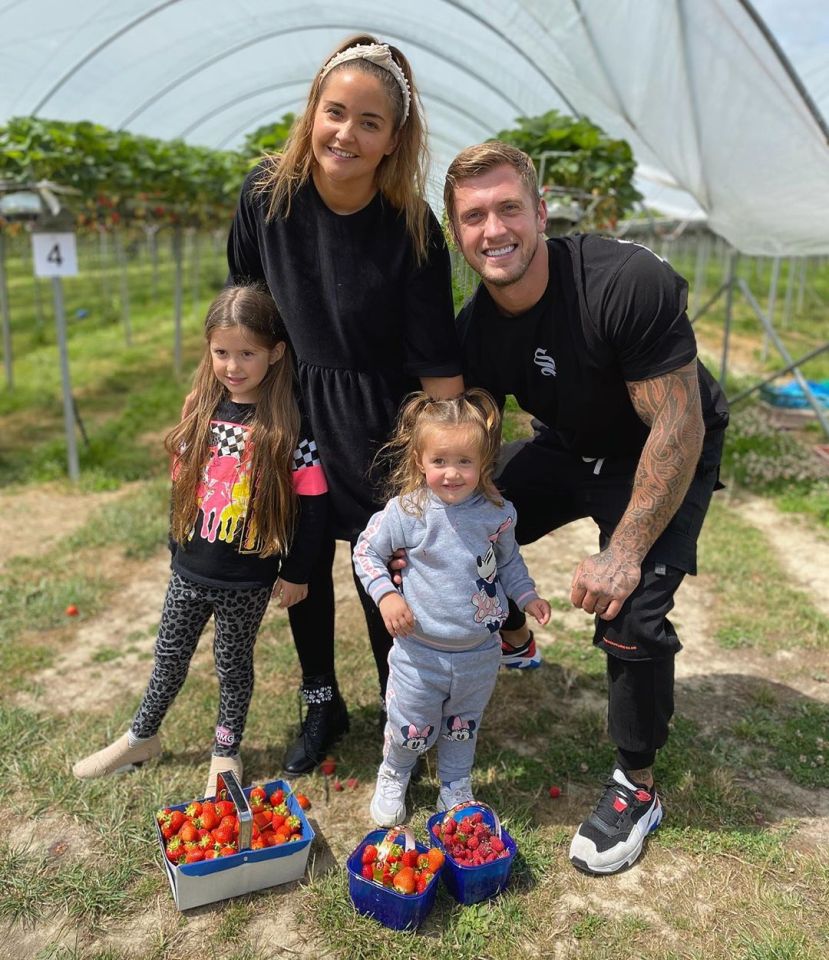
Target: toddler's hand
288, 593
397, 614
539, 609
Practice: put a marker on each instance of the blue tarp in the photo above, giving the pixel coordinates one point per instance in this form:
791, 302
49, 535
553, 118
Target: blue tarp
791, 394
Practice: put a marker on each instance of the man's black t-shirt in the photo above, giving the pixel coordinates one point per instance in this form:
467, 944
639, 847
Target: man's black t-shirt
613, 312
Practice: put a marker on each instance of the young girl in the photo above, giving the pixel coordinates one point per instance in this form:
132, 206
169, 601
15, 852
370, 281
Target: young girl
337, 227
248, 513
462, 562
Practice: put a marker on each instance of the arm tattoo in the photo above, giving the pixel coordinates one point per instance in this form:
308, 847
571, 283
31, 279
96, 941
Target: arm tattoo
670, 406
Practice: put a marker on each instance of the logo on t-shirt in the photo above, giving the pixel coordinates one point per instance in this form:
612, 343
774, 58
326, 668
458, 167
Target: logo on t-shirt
547, 364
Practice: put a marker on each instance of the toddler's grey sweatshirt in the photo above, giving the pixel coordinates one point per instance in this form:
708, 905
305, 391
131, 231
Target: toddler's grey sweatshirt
462, 562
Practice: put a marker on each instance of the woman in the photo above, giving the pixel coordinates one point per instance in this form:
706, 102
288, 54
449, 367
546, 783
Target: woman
337, 227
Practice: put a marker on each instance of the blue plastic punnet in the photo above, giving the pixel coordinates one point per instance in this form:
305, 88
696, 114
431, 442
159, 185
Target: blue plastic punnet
399, 911
471, 884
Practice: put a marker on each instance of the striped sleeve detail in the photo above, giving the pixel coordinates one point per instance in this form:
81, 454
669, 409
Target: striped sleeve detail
362, 559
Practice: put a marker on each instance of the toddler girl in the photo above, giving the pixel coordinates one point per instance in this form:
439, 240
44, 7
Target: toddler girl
462, 562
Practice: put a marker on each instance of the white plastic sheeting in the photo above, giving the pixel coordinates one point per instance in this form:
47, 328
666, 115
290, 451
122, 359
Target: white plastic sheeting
699, 87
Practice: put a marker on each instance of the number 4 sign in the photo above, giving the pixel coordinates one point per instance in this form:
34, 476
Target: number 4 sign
55, 254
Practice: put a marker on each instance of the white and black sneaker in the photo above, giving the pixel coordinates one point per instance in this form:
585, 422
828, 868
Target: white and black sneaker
612, 836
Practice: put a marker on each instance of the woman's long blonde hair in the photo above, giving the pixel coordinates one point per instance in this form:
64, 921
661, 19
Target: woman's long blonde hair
400, 177
474, 410
274, 429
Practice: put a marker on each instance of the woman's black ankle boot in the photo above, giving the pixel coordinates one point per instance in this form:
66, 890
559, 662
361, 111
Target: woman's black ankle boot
326, 720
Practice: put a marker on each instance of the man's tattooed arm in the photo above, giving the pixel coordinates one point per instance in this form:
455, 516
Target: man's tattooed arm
670, 406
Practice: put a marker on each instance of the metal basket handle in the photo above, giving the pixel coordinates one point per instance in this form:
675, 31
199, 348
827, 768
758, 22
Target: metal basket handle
228, 780
481, 806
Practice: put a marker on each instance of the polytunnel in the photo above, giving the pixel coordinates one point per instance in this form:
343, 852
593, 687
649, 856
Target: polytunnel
723, 101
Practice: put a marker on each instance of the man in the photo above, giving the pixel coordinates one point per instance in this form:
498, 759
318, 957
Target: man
591, 336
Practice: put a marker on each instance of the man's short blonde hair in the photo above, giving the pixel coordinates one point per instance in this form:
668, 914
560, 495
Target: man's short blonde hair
483, 157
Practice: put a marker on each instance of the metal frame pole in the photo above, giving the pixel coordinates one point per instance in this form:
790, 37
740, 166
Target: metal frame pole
68, 406
7, 323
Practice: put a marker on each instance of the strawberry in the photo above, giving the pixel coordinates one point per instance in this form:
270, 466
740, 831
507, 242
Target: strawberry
223, 834
189, 832
277, 797
210, 854
72, 610
194, 856
258, 844
257, 797
555, 791
224, 808
338, 786
409, 858
352, 783
177, 818
328, 766
497, 844
303, 801
194, 810
227, 851
404, 880
209, 818
369, 853
163, 816
367, 871
436, 859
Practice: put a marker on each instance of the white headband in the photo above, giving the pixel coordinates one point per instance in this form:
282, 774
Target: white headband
380, 54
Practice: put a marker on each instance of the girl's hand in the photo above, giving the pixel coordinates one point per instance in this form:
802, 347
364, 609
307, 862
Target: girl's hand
397, 615
539, 609
288, 593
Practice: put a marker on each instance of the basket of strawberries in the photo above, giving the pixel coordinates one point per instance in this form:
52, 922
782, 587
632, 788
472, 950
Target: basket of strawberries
242, 841
479, 851
394, 879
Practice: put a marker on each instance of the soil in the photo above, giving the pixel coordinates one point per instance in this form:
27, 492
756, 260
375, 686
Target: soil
709, 680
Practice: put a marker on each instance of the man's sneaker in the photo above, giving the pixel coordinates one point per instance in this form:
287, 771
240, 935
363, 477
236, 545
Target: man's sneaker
612, 836
458, 791
520, 658
388, 805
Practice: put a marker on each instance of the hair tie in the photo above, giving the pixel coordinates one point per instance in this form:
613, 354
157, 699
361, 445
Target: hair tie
379, 54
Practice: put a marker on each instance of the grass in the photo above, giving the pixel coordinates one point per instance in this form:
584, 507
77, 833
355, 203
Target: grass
535, 731
740, 566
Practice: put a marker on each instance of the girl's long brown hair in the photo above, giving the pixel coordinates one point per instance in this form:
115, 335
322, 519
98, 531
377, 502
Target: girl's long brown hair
401, 176
474, 410
274, 428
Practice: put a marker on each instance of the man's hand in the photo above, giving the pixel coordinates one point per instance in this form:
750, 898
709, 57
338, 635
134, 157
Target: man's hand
397, 614
540, 609
288, 593
603, 582
396, 564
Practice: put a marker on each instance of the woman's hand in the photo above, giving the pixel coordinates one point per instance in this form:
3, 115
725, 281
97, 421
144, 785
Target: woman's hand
288, 593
